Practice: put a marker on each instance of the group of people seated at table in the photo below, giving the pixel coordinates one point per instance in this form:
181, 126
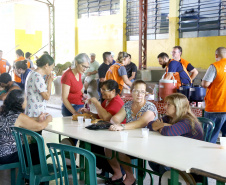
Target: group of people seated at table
138, 113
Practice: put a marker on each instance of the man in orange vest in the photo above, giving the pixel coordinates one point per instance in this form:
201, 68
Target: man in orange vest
174, 69
176, 54
215, 82
3, 64
20, 57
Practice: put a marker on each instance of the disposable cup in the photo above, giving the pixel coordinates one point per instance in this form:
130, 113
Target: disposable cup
145, 132
124, 136
80, 119
223, 142
87, 121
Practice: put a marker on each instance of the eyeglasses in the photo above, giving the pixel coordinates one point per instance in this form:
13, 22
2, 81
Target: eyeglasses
105, 90
137, 92
85, 67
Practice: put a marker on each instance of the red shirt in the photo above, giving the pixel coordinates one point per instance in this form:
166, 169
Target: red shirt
114, 106
75, 93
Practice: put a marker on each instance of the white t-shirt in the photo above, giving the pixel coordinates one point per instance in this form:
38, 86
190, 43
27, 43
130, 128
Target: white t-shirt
35, 102
92, 67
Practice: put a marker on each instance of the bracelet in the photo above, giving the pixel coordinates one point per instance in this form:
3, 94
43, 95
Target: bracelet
123, 126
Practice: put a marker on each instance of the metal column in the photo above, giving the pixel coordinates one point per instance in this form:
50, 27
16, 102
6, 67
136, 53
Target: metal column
143, 7
52, 29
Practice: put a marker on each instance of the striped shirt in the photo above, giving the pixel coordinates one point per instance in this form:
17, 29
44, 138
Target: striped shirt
181, 128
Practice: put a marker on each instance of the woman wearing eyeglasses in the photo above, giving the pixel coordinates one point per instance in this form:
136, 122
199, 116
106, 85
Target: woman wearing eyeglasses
111, 105
118, 72
138, 114
72, 86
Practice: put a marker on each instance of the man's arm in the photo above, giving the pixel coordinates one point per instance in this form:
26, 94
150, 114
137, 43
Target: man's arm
168, 76
194, 73
209, 76
132, 76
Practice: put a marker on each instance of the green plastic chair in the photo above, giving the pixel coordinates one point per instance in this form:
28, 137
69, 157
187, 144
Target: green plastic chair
42, 172
208, 126
55, 148
13, 167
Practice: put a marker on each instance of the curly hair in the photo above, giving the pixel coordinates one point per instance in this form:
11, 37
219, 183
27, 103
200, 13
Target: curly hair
13, 102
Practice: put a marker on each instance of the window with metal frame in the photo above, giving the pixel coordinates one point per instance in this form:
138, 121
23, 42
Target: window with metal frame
157, 17
88, 8
202, 18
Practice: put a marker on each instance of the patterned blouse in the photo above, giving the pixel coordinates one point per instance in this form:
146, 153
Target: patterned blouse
129, 113
35, 102
7, 141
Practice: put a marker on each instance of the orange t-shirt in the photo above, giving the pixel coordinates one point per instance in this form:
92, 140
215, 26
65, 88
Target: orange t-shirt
216, 93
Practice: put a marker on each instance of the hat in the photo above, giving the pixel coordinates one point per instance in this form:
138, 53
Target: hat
5, 78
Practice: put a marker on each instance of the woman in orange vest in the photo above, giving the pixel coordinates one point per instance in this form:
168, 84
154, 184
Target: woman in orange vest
20, 57
117, 72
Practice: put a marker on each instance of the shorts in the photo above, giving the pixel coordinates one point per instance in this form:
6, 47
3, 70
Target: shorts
88, 79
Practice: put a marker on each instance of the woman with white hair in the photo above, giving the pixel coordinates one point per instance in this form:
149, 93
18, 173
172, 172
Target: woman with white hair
72, 86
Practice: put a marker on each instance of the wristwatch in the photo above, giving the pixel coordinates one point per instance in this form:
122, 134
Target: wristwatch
123, 126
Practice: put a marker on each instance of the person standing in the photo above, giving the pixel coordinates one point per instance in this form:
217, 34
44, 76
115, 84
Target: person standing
103, 68
37, 90
72, 86
28, 58
174, 69
118, 72
215, 82
131, 70
20, 57
3, 64
90, 73
21, 68
176, 54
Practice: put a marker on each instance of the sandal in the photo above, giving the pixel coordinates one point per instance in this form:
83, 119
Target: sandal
110, 181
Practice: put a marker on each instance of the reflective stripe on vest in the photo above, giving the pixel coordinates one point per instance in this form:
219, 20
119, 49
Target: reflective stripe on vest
216, 93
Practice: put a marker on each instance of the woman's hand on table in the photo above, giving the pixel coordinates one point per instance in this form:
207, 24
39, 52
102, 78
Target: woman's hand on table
116, 127
158, 124
49, 118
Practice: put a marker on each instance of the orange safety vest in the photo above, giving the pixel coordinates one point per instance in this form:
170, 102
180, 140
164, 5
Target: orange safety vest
183, 62
3, 66
17, 78
177, 74
112, 74
216, 93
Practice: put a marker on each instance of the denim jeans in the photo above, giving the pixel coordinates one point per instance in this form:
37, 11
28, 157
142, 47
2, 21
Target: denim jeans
65, 112
220, 122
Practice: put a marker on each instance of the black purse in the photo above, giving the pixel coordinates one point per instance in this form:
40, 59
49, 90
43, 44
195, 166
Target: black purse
100, 125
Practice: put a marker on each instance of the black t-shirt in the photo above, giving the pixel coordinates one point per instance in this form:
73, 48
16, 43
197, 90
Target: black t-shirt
102, 70
131, 68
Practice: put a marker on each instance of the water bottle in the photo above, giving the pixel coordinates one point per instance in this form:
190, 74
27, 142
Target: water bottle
156, 92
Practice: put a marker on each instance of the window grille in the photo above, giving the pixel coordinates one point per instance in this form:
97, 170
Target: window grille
158, 22
88, 8
201, 18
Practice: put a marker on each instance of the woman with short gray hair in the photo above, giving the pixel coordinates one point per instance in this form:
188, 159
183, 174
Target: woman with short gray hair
72, 85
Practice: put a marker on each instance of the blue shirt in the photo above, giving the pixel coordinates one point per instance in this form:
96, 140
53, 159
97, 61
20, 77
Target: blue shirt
24, 76
175, 66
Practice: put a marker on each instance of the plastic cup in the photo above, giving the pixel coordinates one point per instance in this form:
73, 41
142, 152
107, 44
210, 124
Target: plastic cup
80, 119
123, 136
87, 121
223, 142
145, 132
